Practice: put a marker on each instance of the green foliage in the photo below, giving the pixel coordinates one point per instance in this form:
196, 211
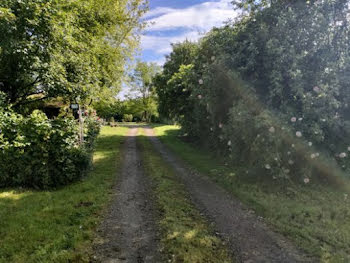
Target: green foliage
59, 225
270, 89
74, 50
173, 96
143, 89
41, 153
65, 48
2, 100
92, 130
142, 109
127, 117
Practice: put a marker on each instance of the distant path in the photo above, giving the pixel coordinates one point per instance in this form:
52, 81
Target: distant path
251, 240
128, 232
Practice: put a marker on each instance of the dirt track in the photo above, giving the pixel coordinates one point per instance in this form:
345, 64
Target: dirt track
250, 239
128, 232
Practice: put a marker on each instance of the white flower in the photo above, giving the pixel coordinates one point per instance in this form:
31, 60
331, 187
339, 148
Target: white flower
199, 96
220, 125
293, 119
200, 82
291, 162
213, 58
342, 155
211, 128
339, 23
306, 180
293, 145
272, 129
317, 154
310, 144
288, 153
229, 143
300, 119
316, 89
345, 196
313, 156
276, 159
298, 134
267, 166
323, 120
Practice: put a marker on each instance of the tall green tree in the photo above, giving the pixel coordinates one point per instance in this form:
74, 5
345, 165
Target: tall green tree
142, 86
66, 48
173, 93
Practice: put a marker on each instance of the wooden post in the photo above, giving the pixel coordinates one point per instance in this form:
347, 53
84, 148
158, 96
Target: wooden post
81, 126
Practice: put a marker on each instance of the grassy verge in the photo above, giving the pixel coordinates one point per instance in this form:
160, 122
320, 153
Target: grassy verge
186, 237
57, 226
316, 218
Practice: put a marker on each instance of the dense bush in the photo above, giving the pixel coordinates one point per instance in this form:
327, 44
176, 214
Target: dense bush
127, 117
270, 91
92, 129
41, 153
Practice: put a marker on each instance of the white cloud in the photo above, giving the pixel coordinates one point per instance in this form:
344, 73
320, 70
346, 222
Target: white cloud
161, 45
188, 22
158, 11
160, 61
202, 16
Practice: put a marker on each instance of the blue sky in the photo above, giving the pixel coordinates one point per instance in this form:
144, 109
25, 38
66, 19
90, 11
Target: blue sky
176, 20
172, 21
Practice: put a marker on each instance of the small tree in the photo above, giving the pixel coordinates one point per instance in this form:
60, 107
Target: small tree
142, 87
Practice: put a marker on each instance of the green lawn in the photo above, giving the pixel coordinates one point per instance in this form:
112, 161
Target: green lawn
316, 218
185, 235
58, 226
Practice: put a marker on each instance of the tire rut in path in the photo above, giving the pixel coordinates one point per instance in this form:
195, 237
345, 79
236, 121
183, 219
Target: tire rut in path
128, 232
251, 240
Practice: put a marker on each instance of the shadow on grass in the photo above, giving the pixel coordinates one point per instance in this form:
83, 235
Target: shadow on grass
53, 225
312, 215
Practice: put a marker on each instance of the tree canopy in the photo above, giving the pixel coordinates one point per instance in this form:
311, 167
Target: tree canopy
271, 88
66, 48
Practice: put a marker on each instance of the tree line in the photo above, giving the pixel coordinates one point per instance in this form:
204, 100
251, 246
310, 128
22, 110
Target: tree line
269, 90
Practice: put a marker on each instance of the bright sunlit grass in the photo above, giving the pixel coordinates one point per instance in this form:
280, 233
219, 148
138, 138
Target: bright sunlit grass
315, 217
57, 226
12, 195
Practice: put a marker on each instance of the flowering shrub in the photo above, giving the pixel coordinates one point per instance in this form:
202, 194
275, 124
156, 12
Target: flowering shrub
270, 90
41, 153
